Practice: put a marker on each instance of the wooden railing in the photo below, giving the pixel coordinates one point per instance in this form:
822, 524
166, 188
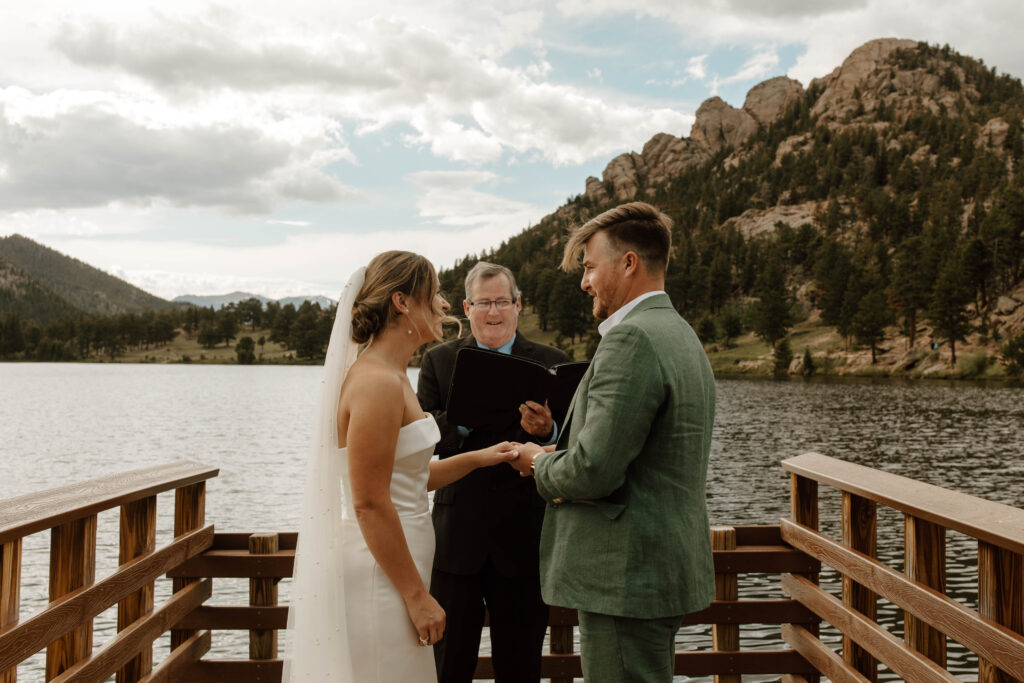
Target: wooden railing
753, 550
795, 550
993, 631
197, 556
64, 627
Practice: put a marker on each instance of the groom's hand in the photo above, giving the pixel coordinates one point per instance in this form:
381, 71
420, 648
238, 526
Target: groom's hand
527, 452
536, 419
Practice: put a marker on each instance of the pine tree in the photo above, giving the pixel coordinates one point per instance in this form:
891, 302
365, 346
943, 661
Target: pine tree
772, 317
871, 319
947, 310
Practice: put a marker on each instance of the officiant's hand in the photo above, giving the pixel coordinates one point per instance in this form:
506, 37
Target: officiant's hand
537, 419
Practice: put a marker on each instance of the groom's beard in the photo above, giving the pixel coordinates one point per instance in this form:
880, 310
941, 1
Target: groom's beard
600, 309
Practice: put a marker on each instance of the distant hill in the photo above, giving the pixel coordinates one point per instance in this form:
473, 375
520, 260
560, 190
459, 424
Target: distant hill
22, 295
218, 301
36, 277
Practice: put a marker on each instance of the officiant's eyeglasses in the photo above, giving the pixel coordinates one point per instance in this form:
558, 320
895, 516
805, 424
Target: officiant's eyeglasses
485, 305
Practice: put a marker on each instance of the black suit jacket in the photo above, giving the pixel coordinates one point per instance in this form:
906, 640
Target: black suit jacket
491, 512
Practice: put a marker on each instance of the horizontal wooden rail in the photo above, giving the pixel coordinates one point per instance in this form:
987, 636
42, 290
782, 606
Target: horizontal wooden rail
909, 664
744, 662
820, 655
243, 618
234, 671
126, 644
995, 523
237, 564
763, 559
175, 666
20, 641
236, 618
984, 636
35, 512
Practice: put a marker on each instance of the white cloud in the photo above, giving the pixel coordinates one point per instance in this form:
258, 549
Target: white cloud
697, 67
294, 224
759, 66
72, 149
451, 198
462, 105
595, 74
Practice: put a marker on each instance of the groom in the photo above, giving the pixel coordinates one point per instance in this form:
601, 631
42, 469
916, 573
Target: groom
625, 537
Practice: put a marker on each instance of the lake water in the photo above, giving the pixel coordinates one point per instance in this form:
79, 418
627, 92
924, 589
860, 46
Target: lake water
65, 423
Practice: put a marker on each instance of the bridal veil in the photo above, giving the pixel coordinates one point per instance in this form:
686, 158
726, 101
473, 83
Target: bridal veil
317, 646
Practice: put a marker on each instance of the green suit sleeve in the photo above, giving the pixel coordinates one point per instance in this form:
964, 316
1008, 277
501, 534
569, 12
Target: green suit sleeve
625, 391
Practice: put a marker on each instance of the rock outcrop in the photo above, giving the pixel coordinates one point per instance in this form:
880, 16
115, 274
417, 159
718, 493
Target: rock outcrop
719, 125
993, 133
768, 101
666, 156
848, 79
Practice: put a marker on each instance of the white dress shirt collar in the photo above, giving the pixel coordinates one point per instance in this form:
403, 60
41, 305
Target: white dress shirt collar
616, 317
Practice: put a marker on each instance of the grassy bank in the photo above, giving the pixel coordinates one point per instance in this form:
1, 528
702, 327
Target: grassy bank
745, 356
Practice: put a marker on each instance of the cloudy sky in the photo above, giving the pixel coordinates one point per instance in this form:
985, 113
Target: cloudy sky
197, 147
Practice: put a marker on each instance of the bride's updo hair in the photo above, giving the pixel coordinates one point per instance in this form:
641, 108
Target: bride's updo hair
390, 272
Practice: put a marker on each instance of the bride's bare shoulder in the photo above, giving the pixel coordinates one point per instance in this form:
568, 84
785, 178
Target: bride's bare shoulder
369, 378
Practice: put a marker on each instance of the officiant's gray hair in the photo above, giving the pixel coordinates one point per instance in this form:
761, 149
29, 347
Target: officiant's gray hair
485, 271
636, 226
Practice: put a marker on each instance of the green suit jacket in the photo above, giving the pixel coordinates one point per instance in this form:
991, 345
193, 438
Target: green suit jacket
626, 528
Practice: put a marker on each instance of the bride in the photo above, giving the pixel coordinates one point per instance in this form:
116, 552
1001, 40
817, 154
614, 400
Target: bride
360, 608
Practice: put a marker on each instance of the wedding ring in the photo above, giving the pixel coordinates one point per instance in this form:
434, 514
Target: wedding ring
424, 641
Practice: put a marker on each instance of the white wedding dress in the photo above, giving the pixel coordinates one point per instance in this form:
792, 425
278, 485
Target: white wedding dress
382, 641
346, 621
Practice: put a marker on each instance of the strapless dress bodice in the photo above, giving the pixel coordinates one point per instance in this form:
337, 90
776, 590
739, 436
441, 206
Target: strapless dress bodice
411, 471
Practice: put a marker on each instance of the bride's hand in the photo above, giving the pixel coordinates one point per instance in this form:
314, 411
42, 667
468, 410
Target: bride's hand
506, 451
428, 618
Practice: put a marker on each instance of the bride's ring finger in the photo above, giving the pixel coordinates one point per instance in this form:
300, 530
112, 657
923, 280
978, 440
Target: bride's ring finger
424, 641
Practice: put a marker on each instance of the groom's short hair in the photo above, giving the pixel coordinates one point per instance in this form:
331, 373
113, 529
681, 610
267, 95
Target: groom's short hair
636, 226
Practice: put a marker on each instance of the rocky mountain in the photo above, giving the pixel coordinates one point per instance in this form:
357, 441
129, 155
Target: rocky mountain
883, 200
42, 284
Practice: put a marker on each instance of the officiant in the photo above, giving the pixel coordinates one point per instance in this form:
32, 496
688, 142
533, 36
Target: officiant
486, 556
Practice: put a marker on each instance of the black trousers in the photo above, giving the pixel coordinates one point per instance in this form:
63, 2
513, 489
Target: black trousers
518, 622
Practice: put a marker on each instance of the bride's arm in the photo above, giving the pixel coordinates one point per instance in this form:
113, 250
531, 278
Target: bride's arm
371, 438
447, 470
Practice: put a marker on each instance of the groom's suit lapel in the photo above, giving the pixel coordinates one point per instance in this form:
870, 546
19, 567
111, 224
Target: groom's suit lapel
578, 398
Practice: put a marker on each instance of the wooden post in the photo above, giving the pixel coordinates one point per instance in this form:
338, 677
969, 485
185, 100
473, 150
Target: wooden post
725, 637
925, 562
72, 565
263, 593
1000, 588
803, 509
860, 526
189, 515
138, 537
10, 594
560, 643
